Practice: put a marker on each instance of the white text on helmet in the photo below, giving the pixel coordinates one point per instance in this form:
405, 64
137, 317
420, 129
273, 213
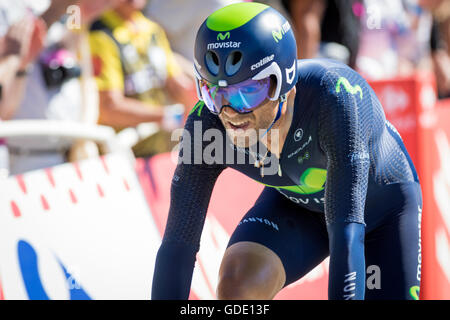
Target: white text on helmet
220, 45
262, 62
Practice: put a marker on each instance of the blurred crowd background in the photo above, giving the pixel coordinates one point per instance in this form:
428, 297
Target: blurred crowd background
128, 63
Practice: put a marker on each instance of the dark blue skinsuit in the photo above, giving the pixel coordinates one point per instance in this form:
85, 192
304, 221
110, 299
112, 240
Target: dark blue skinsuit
348, 189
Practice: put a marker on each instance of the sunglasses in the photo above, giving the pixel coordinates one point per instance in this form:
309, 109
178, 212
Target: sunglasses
243, 97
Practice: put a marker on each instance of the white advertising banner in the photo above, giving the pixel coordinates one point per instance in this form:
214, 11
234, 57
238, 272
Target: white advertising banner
77, 231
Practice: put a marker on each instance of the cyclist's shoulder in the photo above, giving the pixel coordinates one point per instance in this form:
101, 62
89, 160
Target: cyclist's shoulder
316, 67
322, 71
324, 78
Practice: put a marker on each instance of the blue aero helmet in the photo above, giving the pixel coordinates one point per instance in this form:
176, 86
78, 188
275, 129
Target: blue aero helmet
238, 49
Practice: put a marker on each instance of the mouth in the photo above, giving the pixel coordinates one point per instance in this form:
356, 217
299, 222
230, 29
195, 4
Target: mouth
239, 125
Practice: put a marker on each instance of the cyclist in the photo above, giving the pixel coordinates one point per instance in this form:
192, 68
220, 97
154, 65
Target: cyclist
339, 181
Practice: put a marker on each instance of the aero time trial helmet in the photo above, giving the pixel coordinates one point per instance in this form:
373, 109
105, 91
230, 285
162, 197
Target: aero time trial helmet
237, 49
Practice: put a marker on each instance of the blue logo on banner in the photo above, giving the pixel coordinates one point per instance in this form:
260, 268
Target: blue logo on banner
28, 261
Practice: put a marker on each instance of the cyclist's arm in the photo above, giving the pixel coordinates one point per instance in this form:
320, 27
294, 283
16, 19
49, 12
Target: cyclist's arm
192, 185
343, 128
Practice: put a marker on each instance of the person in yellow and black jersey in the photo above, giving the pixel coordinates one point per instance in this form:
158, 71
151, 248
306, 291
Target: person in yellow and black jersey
137, 74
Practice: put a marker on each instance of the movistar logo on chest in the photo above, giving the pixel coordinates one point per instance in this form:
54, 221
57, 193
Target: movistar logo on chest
278, 34
223, 45
262, 62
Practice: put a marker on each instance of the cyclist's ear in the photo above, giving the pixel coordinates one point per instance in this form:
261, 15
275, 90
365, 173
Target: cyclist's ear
291, 96
273, 86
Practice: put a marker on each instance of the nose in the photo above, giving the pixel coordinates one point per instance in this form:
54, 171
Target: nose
229, 111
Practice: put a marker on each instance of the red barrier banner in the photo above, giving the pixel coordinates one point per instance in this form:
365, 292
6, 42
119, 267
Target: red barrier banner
410, 105
402, 100
434, 141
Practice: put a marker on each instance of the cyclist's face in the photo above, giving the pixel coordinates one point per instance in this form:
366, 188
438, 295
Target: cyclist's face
244, 129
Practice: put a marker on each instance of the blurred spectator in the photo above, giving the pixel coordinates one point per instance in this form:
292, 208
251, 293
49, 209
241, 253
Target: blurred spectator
57, 87
323, 28
440, 43
441, 62
21, 39
18, 48
395, 39
181, 19
137, 75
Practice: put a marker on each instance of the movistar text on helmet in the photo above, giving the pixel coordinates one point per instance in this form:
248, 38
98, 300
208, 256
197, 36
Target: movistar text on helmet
220, 45
262, 62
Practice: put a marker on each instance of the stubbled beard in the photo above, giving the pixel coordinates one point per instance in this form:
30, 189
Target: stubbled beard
244, 140
249, 137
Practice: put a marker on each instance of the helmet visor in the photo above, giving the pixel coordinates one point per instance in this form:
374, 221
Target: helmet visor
243, 97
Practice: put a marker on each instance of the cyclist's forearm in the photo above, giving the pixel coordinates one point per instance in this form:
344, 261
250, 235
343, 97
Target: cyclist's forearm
173, 271
191, 190
347, 264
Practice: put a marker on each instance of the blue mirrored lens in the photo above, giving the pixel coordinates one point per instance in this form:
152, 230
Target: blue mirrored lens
207, 96
242, 97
